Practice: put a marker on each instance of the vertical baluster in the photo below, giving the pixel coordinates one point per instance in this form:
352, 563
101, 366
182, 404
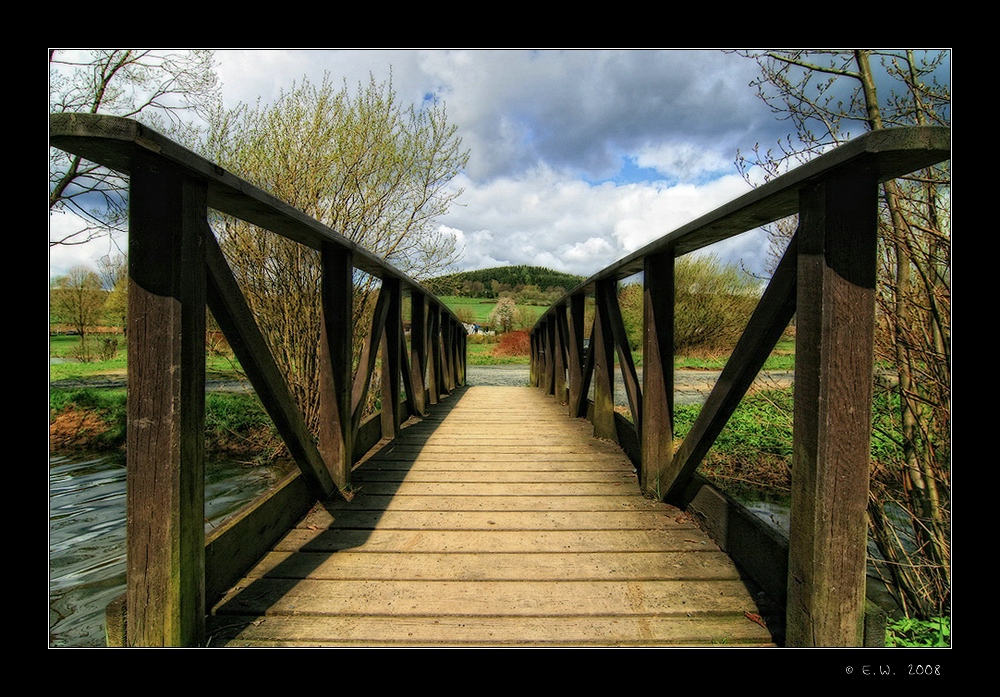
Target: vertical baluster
418, 350
561, 330
336, 437
575, 322
391, 359
604, 365
434, 358
657, 372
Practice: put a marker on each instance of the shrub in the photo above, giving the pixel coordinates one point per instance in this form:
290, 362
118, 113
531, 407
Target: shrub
712, 306
514, 344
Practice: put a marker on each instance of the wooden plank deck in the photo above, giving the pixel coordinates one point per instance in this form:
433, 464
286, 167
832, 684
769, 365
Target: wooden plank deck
497, 521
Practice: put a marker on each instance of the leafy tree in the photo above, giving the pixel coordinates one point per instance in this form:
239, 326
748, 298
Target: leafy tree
713, 302
360, 162
158, 88
77, 300
114, 279
524, 317
482, 283
630, 301
830, 96
502, 316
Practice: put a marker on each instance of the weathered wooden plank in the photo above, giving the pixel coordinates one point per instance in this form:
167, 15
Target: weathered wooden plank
492, 520
716, 632
682, 537
497, 475
443, 459
710, 565
385, 498
497, 542
501, 488
583, 599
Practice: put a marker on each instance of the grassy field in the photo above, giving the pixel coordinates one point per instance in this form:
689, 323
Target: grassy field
479, 309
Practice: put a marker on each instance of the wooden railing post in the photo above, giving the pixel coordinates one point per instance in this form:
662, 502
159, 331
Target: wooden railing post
434, 357
549, 341
604, 365
166, 409
832, 420
462, 349
537, 354
448, 352
418, 351
575, 323
561, 330
392, 343
336, 436
657, 373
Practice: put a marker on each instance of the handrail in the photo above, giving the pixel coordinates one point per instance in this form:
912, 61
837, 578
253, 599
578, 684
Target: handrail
827, 279
176, 268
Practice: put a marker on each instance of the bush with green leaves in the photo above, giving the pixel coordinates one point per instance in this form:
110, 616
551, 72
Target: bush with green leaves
914, 633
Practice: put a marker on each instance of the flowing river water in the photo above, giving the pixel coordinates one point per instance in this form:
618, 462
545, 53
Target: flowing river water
87, 518
87, 534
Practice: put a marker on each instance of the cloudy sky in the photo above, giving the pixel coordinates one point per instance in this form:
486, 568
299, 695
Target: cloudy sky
578, 157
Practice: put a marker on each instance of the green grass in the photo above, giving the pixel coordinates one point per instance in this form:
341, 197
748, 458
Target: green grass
479, 309
67, 347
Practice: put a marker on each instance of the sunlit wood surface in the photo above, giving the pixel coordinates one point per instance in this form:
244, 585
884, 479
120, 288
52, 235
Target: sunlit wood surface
498, 521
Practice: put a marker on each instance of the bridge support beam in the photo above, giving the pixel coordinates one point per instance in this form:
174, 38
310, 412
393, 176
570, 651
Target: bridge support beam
575, 326
658, 373
833, 387
165, 598
336, 433
392, 344
418, 353
603, 346
561, 329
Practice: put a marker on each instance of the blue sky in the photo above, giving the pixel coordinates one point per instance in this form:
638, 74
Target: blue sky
578, 157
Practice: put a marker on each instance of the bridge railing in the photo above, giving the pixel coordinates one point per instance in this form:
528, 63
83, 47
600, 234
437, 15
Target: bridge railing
826, 279
176, 268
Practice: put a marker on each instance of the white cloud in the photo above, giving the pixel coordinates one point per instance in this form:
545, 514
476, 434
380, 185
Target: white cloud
63, 257
541, 126
686, 162
550, 219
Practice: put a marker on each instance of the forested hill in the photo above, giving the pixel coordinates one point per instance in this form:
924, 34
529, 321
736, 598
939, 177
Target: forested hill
489, 283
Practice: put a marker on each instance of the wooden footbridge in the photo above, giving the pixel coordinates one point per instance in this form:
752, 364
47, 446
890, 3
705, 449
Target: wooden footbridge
480, 516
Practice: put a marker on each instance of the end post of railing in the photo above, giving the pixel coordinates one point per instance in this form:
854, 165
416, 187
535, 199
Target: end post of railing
166, 408
835, 328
